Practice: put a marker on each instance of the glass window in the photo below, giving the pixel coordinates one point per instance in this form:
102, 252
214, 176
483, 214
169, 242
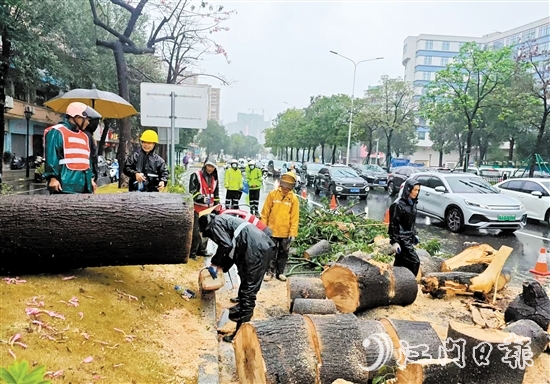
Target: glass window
543, 47
514, 185
444, 61
446, 46
429, 44
408, 172
467, 184
435, 182
423, 180
531, 186
544, 30
426, 76
498, 44
427, 60
421, 135
528, 35
512, 40
460, 45
344, 172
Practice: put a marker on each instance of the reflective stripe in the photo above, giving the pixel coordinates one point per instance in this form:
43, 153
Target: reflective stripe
246, 217
237, 232
77, 140
152, 175
205, 191
77, 151
74, 161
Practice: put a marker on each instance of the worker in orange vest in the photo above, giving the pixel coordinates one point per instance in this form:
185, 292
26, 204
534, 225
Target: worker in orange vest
68, 164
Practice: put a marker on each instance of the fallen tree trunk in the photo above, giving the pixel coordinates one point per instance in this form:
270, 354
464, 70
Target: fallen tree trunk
540, 340
532, 304
338, 344
378, 346
314, 307
431, 264
486, 355
429, 371
304, 288
276, 351
317, 249
44, 233
478, 254
355, 284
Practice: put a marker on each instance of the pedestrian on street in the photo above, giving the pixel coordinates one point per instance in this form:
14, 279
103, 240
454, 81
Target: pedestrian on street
233, 182
68, 166
203, 186
240, 243
280, 213
147, 170
254, 179
186, 161
402, 228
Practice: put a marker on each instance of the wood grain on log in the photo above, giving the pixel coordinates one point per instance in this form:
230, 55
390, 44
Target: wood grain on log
429, 371
276, 351
314, 307
532, 304
304, 288
338, 342
378, 346
42, 233
482, 253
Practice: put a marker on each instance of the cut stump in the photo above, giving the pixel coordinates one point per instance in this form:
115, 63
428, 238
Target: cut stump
532, 304
304, 288
540, 340
314, 307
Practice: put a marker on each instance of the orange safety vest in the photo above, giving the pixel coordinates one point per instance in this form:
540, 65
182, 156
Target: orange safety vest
76, 149
46, 132
246, 217
206, 190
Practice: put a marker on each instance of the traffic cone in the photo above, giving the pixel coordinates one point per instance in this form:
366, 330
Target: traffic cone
541, 268
387, 217
304, 194
333, 203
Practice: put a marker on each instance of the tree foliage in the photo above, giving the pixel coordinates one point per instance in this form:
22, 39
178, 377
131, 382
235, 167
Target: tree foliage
214, 138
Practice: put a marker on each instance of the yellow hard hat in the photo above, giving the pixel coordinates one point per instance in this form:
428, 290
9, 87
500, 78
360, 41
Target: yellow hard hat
288, 180
149, 136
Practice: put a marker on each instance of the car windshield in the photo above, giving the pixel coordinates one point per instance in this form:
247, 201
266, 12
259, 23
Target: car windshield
314, 167
489, 172
470, 185
373, 168
343, 172
278, 163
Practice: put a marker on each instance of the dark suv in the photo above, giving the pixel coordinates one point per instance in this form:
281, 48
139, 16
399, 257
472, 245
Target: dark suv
340, 180
399, 175
374, 175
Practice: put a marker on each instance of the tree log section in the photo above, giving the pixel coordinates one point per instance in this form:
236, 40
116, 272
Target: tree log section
338, 343
42, 233
276, 351
304, 288
355, 284
482, 253
431, 264
429, 371
378, 346
314, 307
532, 304
482, 346
540, 340
485, 281
317, 249
406, 333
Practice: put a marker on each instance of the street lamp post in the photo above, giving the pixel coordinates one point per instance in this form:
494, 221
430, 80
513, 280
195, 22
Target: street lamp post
352, 95
29, 111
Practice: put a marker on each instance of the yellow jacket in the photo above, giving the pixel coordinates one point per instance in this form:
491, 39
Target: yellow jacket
233, 180
281, 213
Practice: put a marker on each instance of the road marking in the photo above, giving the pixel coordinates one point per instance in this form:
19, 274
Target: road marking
535, 236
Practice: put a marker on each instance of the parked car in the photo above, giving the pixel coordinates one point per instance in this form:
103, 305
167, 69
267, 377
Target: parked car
374, 175
493, 176
399, 175
534, 194
340, 180
464, 200
312, 169
274, 167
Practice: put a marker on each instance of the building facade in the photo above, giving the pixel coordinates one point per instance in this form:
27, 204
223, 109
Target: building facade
249, 124
424, 55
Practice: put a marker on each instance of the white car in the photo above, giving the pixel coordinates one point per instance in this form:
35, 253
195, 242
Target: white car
534, 193
465, 200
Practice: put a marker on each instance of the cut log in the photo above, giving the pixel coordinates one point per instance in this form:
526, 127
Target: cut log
482, 253
355, 284
540, 340
339, 348
429, 371
43, 233
320, 248
431, 264
304, 288
418, 335
378, 347
485, 281
485, 354
276, 351
314, 307
532, 304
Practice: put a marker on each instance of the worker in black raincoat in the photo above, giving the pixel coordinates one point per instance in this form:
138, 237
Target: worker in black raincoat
402, 228
243, 244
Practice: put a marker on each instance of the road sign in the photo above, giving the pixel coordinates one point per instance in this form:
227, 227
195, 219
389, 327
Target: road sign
190, 104
164, 136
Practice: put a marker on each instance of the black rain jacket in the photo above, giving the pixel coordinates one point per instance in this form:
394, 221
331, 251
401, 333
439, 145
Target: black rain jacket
151, 165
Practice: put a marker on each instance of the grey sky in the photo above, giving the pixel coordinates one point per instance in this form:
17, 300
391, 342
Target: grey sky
279, 51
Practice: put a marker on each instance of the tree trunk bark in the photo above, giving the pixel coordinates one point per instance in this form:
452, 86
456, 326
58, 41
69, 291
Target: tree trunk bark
485, 346
532, 304
314, 307
430, 264
338, 342
308, 154
304, 288
468, 146
333, 154
276, 351
4, 68
323, 154
512, 141
317, 249
355, 284
540, 340
303, 155
125, 134
152, 228
378, 345
441, 158
388, 149
101, 144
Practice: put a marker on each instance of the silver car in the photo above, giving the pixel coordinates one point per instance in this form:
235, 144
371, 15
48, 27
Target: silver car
465, 200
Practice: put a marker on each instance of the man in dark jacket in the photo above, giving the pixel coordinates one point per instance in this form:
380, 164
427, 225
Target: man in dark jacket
243, 244
204, 187
402, 228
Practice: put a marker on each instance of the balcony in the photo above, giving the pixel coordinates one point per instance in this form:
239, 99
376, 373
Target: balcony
41, 114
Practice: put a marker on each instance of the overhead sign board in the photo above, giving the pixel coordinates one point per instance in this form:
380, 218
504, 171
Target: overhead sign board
190, 105
164, 136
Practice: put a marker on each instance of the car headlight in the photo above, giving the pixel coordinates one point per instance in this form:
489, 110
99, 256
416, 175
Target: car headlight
339, 189
473, 204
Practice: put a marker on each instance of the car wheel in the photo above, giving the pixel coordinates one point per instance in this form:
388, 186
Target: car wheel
454, 220
547, 216
390, 188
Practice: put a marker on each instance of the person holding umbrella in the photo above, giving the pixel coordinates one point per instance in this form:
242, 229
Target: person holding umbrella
68, 166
